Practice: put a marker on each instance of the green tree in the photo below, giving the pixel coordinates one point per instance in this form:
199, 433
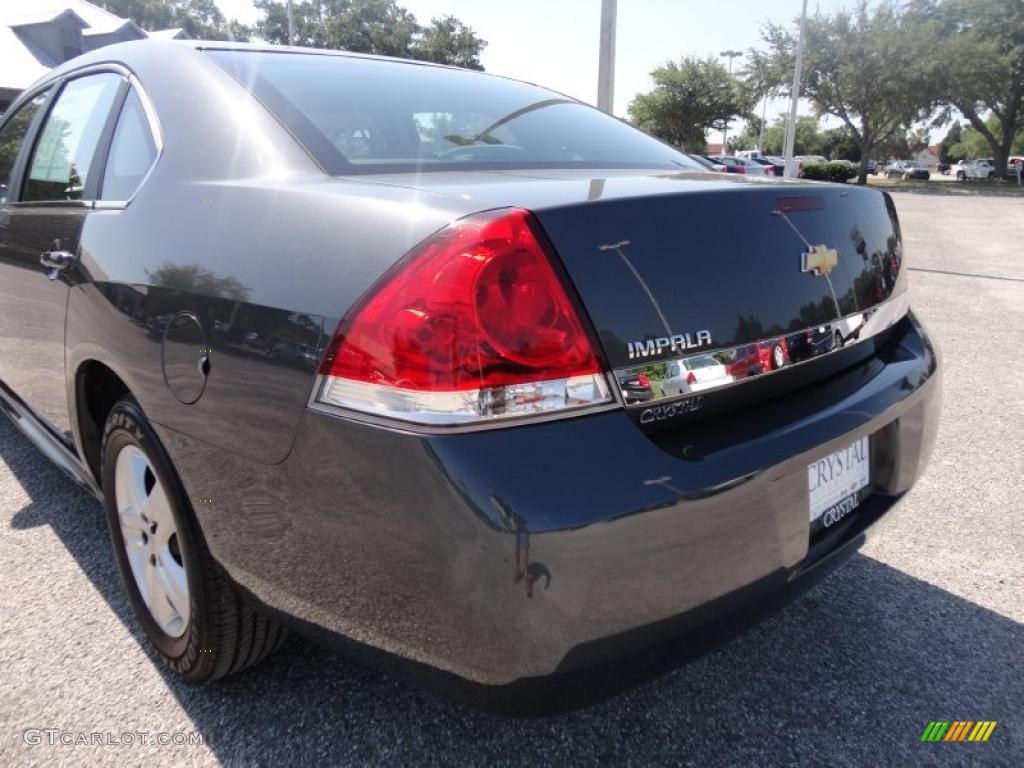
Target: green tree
448, 41
838, 144
195, 279
809, 139
869, 68
765, 78
688, 99
981, 58
951, 139
973, 143
371, 26
364, 26
200, 19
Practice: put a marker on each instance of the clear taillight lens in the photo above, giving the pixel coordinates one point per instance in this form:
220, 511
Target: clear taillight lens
473, 325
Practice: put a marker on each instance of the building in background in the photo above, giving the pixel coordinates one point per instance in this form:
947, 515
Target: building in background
38, 35
929, 157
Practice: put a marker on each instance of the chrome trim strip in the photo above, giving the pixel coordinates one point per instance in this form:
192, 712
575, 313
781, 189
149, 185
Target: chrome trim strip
158, 140
406, 426
727, 367
147, 106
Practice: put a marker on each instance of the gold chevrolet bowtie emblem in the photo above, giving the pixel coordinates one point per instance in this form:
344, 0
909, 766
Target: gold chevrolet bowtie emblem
819, 260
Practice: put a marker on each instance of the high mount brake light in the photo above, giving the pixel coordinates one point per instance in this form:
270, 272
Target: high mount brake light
474, 325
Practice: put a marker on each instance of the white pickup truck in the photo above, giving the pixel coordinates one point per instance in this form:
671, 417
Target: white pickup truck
983, 168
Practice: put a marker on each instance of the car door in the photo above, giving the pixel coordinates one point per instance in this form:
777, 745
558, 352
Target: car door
49, 194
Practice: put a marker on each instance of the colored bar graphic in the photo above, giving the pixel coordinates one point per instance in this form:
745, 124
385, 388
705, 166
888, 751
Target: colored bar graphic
959, 730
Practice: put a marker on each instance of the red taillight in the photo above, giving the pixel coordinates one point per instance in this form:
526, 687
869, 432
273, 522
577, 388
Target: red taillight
474, 324
691, 378
643, 381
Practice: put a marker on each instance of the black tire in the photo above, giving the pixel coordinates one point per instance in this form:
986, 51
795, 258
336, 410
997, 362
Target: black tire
225, 633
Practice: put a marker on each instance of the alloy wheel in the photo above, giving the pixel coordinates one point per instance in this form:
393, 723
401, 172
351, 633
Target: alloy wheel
151, 541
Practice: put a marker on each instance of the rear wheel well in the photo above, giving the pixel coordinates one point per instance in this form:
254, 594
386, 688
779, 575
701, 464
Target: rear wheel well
97, 389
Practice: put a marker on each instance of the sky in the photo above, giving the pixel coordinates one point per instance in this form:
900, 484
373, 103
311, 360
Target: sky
554, 43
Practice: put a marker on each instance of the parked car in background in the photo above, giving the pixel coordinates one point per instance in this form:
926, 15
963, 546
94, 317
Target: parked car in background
704, 162
847, 329
635, 387
744, 361
776, 165
744, 166
694, 374
291, 351
719, 165
943, 168
811, 343
907, 169
773, 353
872, 167
1015, 163
969, 170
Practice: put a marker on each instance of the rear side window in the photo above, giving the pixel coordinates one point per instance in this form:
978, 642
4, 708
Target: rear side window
11, 137
132, 152
59, 168
357, 115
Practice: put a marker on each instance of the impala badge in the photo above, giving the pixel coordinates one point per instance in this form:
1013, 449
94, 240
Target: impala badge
676, 343
819, 260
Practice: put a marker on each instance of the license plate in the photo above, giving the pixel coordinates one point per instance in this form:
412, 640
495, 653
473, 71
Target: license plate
835, 481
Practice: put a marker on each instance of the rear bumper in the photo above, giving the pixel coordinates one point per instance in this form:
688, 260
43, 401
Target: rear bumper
504, 556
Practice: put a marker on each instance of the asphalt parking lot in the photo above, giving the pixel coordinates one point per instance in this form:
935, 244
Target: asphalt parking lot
927, 623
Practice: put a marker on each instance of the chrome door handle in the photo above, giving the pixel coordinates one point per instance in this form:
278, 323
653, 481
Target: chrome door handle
56, 259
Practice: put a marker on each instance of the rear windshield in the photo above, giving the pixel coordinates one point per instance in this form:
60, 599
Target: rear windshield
701, 362
357, 115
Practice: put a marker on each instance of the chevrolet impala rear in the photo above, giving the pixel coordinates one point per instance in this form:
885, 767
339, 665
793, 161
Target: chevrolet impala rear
525, 447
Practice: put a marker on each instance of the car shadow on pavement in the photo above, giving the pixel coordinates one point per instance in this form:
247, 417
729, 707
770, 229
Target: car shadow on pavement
849, 674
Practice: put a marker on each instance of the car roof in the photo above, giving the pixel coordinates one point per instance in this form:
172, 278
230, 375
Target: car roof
128, 53
263, 47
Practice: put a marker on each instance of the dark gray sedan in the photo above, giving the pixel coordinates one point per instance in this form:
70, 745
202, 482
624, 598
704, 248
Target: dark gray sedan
907, 170
345, 344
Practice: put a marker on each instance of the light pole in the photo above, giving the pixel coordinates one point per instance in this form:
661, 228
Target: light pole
764, 117
291, 25
725, 128
606, 58
792, 168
